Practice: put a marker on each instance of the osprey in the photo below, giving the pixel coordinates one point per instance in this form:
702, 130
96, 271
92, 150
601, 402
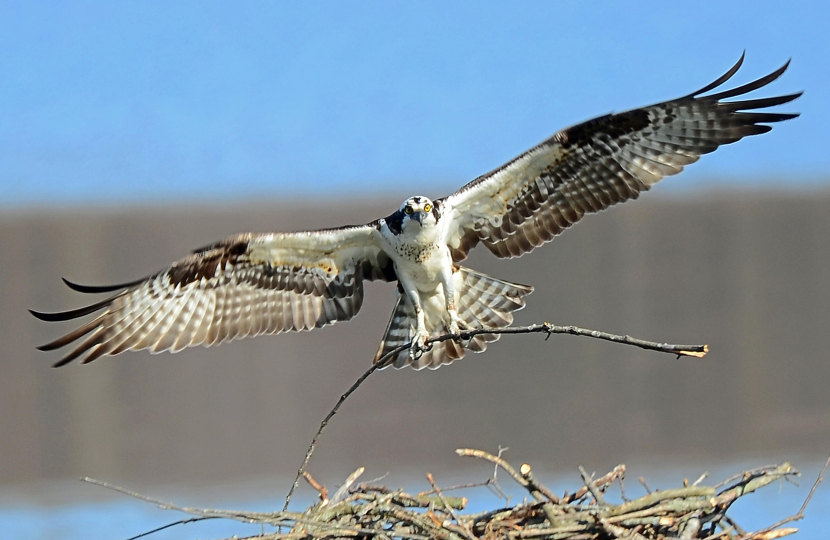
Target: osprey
253, 284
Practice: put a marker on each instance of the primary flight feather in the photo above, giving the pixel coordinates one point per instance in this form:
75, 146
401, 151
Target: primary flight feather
253, 284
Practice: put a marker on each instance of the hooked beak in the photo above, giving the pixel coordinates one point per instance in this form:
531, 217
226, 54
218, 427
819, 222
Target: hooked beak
417, 216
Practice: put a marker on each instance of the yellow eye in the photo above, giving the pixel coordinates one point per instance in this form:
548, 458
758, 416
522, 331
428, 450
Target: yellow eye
408, 210
427, 208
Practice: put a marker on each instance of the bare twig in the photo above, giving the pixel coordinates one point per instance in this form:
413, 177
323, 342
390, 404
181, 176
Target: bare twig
527, 474
622, 488
496, 487
589, 483
524, 478
617, 472
450, 509
732, 523
746, 475
621, 532
765, 533
697, 351
508, 468
752, 482
700, 479
544, 328
468, 485
324, 494
172, 524
376, 366
200, 513
341, 493
376, 479
164, 505
540, 492
813, 489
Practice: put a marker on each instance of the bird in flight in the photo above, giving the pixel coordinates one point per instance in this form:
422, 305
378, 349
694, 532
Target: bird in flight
252, 284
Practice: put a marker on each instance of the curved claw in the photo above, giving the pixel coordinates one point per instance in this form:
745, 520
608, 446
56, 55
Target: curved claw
458, 327
418, 346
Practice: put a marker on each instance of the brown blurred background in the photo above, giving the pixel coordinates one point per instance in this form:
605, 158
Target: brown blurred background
746, 272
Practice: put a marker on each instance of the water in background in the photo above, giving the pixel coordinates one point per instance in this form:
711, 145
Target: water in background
118, 517
747, 273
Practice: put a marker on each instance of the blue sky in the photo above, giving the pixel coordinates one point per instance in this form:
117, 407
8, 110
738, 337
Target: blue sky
106, 103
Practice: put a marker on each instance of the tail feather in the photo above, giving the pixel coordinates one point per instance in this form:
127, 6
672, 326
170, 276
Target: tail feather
399, 331
483, 302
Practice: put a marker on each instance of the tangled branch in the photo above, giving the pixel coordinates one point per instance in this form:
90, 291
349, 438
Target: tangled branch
548, 329
370, 511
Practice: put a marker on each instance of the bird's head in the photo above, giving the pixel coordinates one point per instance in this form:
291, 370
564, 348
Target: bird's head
419, 209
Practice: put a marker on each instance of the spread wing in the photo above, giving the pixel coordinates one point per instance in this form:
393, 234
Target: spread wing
246, 285
591, 166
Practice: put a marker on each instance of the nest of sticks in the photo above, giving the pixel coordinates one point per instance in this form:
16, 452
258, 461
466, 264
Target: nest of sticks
366, 510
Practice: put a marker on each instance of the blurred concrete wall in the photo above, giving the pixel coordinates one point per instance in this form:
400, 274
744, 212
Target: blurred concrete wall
747, 273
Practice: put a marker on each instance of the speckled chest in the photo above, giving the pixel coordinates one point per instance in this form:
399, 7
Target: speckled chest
423, 264
415, 252
418, 254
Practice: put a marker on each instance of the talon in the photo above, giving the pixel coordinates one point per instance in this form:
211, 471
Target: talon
419, 347
455, 323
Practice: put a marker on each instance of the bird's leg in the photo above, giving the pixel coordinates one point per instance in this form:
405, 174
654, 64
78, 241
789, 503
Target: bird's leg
455, 321
418, 345
421, 335
449, 295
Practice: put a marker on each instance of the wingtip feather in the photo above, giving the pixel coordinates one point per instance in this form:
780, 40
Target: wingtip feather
722, 79
42, 315
750, 86
94, 289
62, 362
59, 316
71, 336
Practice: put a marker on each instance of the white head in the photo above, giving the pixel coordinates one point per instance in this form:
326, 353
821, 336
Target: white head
419, 209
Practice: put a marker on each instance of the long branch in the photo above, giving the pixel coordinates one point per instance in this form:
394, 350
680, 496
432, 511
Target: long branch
379, 512
545, 328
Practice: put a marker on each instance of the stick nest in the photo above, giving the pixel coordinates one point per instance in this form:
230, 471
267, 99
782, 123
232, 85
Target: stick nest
361, 510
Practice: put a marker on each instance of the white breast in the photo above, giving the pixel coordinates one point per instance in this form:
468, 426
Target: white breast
419, 253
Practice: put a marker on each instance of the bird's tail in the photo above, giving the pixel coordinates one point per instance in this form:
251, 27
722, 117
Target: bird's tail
483, 302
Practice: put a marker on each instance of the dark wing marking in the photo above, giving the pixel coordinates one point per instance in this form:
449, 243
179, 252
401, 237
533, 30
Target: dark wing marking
244, 286
591, 166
